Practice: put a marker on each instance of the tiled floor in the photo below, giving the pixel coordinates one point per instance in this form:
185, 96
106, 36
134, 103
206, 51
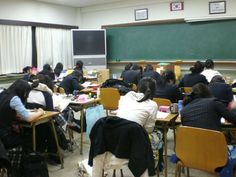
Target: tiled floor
71, 160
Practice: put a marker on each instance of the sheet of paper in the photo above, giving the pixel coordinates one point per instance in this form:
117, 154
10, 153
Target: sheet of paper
60, 101
86, 84
162, 115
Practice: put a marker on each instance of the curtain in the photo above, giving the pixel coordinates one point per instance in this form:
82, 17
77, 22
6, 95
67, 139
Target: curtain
53, 46
15, 48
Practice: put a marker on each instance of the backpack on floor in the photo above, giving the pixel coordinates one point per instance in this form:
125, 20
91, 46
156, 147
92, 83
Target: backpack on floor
34, 165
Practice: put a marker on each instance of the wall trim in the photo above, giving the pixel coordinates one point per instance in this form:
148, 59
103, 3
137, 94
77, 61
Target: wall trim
37, 24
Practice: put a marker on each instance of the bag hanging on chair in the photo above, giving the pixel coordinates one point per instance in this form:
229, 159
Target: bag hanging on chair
92, 115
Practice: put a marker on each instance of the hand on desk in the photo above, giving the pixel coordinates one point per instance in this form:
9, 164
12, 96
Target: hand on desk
36, 114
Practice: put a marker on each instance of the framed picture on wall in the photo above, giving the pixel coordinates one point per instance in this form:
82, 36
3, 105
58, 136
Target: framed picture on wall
141, 14
176, 6
217, 7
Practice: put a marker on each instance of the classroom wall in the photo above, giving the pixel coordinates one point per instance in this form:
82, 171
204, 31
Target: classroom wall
25, 10
123, 12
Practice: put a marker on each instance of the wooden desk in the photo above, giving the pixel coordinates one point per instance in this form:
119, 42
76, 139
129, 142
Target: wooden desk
164, 124
83, 105
47, 117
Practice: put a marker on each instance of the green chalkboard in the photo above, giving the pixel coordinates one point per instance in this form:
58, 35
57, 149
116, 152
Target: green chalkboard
184, 41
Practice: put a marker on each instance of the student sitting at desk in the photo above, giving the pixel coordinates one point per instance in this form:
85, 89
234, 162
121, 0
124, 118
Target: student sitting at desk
47, 70
43, 99
127, 67
209, 71
149, 72
204, 111
133, 75
194, 77
139, 107
221, 90
166, 87
12, 105
72, 82
57, 70
79, 66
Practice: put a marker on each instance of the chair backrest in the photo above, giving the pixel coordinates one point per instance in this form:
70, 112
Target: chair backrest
61, 90
162, 101
109, 98
201, 148
187, 89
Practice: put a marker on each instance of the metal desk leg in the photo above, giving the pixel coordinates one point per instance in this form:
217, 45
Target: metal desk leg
34, 138
57, 144
165, 143
81, 130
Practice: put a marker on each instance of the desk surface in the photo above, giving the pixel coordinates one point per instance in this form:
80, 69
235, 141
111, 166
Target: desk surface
169, 118
48, 114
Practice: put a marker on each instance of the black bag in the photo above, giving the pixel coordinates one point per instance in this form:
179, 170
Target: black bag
122, 87
34, 165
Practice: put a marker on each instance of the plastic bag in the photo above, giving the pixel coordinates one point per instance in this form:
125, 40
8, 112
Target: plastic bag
92, 115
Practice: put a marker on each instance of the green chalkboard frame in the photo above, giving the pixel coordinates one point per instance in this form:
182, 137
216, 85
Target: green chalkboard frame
172, 40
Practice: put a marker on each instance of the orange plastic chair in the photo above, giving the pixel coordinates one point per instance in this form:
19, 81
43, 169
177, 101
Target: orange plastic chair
109, 98
187, 89
200, 149
162, 102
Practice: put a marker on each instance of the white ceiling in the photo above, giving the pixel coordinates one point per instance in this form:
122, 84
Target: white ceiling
79, 3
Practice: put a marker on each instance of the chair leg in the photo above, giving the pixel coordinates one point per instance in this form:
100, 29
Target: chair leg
121, 173
157, 171
188, 172
114, 173
178, 170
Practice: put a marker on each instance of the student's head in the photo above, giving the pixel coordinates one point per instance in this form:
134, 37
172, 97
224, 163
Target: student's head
148, 68
47, 67
147, 86
128, 66
135, 67
21, 88
199, 90
78, 74
58, 69
209, 64
169, 76
27, 69
197, 67
44, 79
217, 78
79, 64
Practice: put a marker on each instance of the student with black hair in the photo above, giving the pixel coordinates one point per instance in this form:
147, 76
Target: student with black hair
58, 69
221, 90
209, 71
72, 82
47, 70
127, 67
27, 73
133, 75
204, 111
139, 107
149, 72
194, 77
166, 87
12, 102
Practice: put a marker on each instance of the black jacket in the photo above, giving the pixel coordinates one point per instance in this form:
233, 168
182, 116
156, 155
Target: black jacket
190, 80
131, 76
71, 83
168, 91
221, 91
206, 113
124, 139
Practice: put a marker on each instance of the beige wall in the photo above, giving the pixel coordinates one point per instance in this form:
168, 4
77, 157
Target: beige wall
25, 10
123, 12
